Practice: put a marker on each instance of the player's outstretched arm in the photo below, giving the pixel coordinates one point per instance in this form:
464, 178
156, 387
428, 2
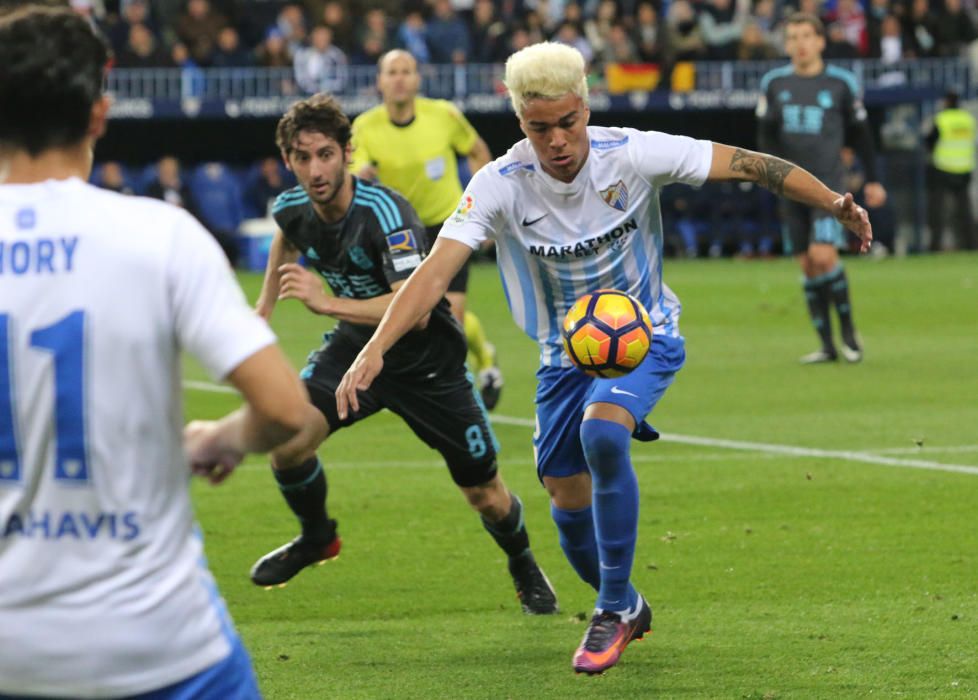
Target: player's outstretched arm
412, 302
276, 410
786, 179
280, 252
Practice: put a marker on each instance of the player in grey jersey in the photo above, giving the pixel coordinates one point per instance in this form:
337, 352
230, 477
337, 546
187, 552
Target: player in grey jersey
808, 110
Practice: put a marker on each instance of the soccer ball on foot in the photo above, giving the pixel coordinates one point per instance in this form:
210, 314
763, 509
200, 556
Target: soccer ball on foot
607, 333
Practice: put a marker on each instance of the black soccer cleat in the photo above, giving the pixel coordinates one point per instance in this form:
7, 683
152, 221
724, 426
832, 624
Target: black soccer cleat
278, 567
490, 382
607, 636
536, 594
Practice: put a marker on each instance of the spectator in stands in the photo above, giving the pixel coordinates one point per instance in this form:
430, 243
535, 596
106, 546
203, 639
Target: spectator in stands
651, 39
133, 12
753, 44
336, 17
875, 14
230, 53
569, 35
321, 67
273, 52
292, 23
765, 15
141, 50
448, 37
851, 21
891, 40
721, 26
113, 178
218, 198
198, 28
597, 30
837, 43
619, 47
517, 39
412, 36
686, 39
170, 186
488, 34
920, 31
375, 38
536, 27
955, 29
269, 184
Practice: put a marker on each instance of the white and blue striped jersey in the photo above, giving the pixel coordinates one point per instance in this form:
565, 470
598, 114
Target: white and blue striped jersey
104, 591
556, 241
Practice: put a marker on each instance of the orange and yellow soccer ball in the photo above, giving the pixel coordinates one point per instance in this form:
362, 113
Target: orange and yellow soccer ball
607, 333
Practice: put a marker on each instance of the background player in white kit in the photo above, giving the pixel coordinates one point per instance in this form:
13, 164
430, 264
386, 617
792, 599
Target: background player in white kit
104, 591
573, 209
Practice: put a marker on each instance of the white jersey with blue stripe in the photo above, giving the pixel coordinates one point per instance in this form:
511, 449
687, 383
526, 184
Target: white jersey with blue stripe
556, 241
104, 591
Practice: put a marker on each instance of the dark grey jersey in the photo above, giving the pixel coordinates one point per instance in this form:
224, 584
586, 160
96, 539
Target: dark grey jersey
378, 242
805, 119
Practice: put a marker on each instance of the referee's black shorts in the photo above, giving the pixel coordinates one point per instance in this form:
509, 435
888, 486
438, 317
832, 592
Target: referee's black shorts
438, 402
460, 282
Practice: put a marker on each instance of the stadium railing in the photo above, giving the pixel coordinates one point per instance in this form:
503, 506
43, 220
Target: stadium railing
462, 81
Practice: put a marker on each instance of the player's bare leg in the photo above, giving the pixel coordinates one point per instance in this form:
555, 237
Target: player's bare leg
502, 517
301, 479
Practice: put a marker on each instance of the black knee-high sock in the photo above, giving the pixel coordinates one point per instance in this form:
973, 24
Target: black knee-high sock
510, 532
817, 294
304, 488
839, 290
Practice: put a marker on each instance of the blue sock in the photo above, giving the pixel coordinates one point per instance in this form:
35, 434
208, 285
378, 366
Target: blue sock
576, 528
615, 504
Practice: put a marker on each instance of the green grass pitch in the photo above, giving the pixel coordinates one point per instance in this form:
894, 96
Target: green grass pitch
846, 573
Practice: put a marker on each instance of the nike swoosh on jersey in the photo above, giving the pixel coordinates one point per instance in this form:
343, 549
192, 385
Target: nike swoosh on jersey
533, 221
616, 390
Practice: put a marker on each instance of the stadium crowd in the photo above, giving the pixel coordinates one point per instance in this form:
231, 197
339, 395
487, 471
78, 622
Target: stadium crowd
320, 38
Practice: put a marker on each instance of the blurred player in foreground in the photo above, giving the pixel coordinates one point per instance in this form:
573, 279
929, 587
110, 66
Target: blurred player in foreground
411, 144
104, 591
365, 240
807, 111
572, 209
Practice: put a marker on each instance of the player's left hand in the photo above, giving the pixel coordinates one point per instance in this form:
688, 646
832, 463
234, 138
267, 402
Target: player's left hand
296, 282
875, 195
854, 218
208, 450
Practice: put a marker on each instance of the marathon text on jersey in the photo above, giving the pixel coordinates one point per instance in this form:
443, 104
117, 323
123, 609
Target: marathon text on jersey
589, 246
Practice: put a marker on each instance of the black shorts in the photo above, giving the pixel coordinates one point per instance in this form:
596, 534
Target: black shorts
460, 282
439, 403
803, 225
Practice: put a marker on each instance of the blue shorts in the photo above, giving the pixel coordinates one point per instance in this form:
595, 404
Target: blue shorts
563, 393
229, 679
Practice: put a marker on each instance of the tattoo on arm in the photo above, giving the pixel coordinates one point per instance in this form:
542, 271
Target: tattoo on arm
767, 171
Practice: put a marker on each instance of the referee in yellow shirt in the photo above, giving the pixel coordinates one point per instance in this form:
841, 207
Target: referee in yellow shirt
411, 144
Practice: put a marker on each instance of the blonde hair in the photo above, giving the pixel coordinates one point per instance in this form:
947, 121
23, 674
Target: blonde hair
544, 71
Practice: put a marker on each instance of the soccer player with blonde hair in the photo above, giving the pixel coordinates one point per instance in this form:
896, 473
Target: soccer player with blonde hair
575, 208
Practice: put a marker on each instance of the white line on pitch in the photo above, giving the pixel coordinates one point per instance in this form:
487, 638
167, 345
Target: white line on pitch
785, 450
208, 386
